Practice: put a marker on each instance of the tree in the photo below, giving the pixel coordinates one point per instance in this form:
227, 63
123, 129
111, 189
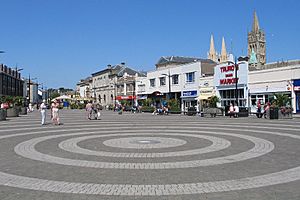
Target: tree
281, 99
54, 95
213, 101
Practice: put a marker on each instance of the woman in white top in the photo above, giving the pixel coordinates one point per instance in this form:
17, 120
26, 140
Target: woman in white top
236, 110
231, 110
55, 115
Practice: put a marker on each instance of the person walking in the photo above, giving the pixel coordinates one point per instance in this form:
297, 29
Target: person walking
231, 110
55, 114
89, 110
43, 108
236, 111
258, 111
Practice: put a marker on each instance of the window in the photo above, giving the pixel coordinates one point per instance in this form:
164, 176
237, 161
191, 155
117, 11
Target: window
175, 79
162, 81
190, 77
152, 82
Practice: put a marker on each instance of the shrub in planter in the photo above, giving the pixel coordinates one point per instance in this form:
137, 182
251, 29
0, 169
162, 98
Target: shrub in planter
74, 106
147, 109
2, 114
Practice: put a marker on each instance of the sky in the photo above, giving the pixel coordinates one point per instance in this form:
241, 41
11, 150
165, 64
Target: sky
60, 42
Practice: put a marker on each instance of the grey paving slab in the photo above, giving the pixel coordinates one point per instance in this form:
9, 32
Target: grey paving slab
259, 161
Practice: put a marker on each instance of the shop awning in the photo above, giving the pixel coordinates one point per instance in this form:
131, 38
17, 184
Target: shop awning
206, 93
130, 97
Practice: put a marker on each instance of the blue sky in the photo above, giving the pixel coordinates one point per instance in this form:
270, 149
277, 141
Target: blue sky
61, 41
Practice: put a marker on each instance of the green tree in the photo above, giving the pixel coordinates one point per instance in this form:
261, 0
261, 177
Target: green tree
213, 101
281, 99
54, 95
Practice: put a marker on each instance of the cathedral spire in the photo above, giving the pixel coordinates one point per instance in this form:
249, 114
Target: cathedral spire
223, 52
255, 26
212, 52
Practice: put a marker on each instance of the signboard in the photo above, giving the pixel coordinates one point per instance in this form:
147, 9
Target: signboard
296, 88
191, 93
225, 74
130, 97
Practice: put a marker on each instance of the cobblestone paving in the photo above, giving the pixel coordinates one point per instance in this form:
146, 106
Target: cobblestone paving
141, 156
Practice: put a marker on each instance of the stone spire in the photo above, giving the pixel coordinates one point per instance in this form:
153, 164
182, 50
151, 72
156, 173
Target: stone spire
257, 43
212, 52
223, 57
255, 26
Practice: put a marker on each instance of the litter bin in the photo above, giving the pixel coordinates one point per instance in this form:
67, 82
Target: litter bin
243, 112
191, 111
273, 113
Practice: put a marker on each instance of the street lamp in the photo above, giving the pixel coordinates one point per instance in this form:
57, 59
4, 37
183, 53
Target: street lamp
29, 83
169, 76
236, 68
16, 77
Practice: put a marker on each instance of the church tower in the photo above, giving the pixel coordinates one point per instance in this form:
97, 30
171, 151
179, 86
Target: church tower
223, 56
212, 52
257, 44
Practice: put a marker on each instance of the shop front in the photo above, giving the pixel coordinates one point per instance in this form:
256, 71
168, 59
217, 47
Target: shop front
297, 95
204, 94
128, 100
189, 100
231, 85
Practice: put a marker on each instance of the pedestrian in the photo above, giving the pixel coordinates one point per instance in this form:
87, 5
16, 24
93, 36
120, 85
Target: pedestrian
43, 108
266, 109
89, 110
98, 108
55, 113
231, 110
258, 111
236, 111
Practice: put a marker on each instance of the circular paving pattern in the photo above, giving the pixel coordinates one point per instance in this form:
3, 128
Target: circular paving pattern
201, 146
71, 146
144, 142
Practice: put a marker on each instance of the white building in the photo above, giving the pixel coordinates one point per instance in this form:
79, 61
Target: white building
175, 81
281, 78
262, 84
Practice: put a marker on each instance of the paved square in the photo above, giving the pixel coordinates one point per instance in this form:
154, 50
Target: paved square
141, 156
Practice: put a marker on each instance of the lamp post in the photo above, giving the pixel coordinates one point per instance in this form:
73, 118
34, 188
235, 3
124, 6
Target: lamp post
169, 76
16, 81
236, 68
29, 83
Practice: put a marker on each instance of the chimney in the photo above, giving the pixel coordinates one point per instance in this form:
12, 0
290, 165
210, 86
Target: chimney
109, 66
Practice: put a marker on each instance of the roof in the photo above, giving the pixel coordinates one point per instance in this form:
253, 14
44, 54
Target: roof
119, 70
181, 60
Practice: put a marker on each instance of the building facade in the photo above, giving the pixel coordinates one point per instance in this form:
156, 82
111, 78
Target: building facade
113, 84
11, 83
84, 88
180, 82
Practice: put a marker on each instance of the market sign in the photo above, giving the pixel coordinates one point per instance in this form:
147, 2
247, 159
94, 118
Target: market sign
225, 74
